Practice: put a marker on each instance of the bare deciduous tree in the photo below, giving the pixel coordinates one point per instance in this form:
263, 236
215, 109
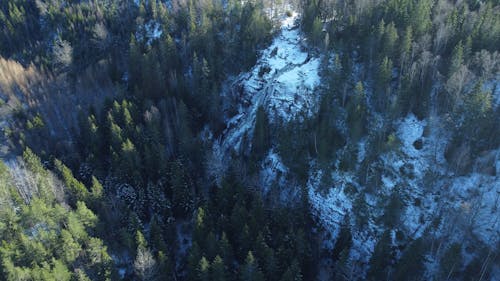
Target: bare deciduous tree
145, 265
487, 63
101, 36
455, 85
62, 55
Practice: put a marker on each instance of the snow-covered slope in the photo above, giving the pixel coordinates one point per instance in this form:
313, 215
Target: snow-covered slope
434, 201
282, 81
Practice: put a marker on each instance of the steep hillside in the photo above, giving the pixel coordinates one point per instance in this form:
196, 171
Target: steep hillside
409, 190
250, 140
282, 81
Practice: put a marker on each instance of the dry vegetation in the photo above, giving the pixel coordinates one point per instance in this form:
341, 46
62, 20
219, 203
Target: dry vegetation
32, 91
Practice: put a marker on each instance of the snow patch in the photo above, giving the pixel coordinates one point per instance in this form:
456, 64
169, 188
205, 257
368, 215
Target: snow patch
332, 206
478, 201
410, 130
273, 171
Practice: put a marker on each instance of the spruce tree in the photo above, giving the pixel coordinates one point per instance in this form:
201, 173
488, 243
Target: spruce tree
381, 258
261, 141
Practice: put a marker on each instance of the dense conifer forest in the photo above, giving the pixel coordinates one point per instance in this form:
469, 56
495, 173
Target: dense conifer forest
249, 140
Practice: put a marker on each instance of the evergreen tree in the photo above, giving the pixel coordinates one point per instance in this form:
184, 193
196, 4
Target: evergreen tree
218, 269
457, 58
250, 270
77, 189
293, 273
182, 191
451, 261
381, 258
261, 141
193, 260
420, 16
406, 47
382, 84
344, 239
411, 264
390, 39
357, 112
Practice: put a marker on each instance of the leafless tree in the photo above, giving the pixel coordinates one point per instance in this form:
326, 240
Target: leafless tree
455, 85
62, 55
443, 33
101, 36
487, 63
145, 265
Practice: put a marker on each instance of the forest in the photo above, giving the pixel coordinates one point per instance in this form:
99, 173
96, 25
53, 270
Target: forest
249, 140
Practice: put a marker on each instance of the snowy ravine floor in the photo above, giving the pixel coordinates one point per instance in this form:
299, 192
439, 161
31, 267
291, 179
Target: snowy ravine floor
282, 81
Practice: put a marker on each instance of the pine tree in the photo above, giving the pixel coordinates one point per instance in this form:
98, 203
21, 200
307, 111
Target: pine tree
250, 270
420, 16
451, 262
357, 112
344, 239
200, 230
130, 162
218, 269
77, 189
96, 194
203, 270
135, 62
406, 46
182, 191
411, 264
164, 267
381, 258
266, 256
293, 272
317, 31
457, 59
194, 257
390, 39
71, 249
225, 248
382, 84
261, 141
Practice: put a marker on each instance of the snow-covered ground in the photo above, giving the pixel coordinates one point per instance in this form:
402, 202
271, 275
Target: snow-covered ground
417, 170
282, 81
273, 171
